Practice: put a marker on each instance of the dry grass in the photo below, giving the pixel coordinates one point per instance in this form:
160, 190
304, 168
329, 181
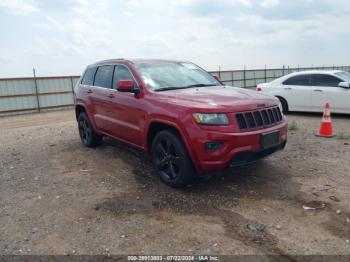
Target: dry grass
343, 136
293, 126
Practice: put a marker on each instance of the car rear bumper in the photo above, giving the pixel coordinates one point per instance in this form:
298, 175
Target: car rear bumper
236, 149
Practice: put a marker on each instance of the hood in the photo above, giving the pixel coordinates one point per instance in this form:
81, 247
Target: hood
221, 98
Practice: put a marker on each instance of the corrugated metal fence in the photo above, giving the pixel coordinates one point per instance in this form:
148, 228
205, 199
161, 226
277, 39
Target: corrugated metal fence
23, 95
251, 78
19, 95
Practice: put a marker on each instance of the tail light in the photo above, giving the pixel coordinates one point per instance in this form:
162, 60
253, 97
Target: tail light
258, 89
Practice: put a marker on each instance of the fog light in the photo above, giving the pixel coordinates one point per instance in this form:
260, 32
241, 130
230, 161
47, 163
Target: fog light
213, 146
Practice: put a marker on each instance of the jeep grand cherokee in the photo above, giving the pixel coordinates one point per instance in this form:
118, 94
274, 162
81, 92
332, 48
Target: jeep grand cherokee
186, 120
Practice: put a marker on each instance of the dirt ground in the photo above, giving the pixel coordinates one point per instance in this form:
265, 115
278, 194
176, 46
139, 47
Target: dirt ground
58, 197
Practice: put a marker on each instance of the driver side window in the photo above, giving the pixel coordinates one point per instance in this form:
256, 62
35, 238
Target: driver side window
122, 73
325, 80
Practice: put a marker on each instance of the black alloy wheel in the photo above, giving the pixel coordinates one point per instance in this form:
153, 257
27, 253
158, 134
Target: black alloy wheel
87, 134
170, 158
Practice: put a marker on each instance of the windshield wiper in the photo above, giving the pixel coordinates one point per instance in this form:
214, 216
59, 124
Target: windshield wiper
199, 85
182, 87
169, 88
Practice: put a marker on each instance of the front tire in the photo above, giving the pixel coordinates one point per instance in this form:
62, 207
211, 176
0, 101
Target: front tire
88, 136
170, 159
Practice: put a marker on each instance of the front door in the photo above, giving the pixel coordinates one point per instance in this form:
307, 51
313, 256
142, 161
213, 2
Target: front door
326, 90
128, 114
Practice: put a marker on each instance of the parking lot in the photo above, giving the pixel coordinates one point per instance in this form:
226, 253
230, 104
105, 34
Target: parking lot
58, 197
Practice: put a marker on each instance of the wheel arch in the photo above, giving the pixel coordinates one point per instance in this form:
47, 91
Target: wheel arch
156, 126
78, 110
281, 98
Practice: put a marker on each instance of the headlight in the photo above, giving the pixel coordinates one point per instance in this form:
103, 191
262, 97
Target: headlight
211, 119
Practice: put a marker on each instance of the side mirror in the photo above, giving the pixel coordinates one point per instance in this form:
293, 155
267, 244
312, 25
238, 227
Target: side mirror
344, 85
126, 86
218, 79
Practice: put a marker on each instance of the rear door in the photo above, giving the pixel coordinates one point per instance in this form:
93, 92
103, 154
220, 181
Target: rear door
297, 91
100, 96
87, 83
326, 90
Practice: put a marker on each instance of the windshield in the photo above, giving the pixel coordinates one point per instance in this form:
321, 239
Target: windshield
167, 76
344, 75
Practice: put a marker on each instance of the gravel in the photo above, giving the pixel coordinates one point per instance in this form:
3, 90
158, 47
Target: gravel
57, 197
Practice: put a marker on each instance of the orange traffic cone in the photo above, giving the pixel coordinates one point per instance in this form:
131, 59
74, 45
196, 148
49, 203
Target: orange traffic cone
326, 129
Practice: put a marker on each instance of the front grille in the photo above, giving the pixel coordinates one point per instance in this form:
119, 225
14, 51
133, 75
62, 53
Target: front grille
259, 118
241, 121
250, 120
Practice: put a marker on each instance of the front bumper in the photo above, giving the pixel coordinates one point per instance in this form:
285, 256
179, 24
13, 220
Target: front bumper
237, 148
244, 158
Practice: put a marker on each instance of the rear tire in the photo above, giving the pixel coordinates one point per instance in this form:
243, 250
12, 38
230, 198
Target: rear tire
88, 136
170, 159
284, 105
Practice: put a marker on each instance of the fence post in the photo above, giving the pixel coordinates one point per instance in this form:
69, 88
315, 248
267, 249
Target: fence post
36, 90
72, 86
244, 78
233, 78
283, 70
265, 74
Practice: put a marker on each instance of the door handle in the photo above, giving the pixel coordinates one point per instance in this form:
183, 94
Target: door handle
89, 91
318, 90
111, 96
287, 88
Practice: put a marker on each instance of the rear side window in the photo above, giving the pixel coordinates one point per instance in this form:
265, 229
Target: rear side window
299, 80
324, 80
88, 78
104, 76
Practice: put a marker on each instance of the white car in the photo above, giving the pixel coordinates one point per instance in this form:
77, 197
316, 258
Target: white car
309, 91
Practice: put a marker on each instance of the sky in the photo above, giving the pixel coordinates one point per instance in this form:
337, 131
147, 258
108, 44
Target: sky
62, 37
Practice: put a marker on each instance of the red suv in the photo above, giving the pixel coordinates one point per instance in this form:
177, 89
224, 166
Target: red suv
181, 115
